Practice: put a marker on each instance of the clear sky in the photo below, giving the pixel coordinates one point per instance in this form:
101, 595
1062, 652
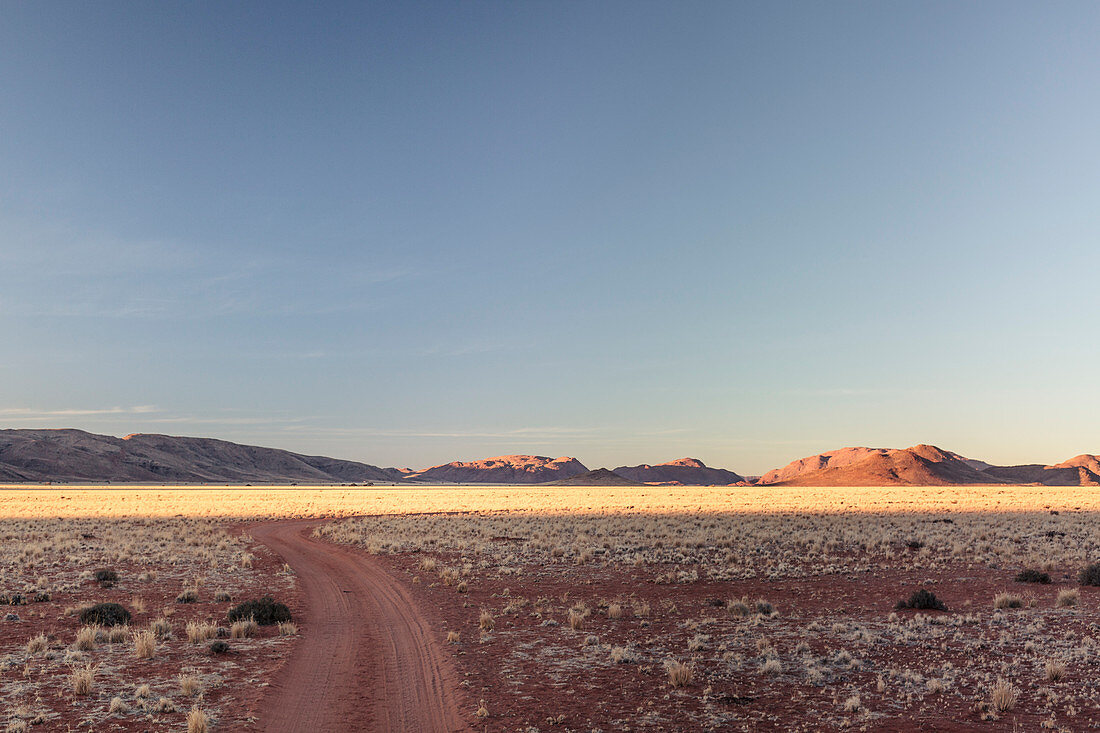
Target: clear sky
409, 233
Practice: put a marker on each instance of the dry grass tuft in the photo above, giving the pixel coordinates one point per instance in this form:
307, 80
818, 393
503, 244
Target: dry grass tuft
1068, 598
145, 644
1008, 600
82, 680
1055, 670
679, 674
197, 721
485, 621
288, 628
244, 629
1003, 696
189, 683
37, 644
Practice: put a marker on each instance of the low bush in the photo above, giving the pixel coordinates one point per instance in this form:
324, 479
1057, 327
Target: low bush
219, 647
106, 576
1089, 575
1032, 576
923, 599
105, 614
266, 612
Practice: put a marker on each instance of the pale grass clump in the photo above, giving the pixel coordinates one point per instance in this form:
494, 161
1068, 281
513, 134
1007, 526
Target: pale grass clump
1067, 598
482, 709
247, 559
82, 680
288, 628
164, 705
197, 721
145, 644
852, 704
576, 619
118, 706
244, 629
771, 667
86, 638
118, 634
200, 631
1055, 670
935, 686
679, 674
614, 610
37, 644
1003, 696
462, 587
189, 683
1008, 600
143, 691
137, 603
162, 628
621, 655
485, 621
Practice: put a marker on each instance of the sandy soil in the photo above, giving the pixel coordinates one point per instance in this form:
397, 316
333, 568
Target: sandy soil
368, 660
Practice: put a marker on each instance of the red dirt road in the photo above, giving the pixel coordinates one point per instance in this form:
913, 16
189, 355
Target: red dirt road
367, 660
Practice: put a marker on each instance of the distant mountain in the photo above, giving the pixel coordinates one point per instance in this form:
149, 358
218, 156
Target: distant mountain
503, 470
74, 455
1083, 470
599, 477
687, 471
921, 465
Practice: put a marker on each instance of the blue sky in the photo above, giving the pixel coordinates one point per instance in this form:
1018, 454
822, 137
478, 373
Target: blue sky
412, 232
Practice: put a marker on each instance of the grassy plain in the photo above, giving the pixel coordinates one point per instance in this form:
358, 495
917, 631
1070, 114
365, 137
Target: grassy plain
766, 608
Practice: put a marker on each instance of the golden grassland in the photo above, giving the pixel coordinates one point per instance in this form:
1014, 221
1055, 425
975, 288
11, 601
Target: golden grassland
24, 501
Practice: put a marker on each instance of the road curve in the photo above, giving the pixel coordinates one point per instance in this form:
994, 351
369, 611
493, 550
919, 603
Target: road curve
367, 660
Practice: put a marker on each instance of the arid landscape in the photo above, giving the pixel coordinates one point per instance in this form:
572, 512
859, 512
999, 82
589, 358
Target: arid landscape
560, 608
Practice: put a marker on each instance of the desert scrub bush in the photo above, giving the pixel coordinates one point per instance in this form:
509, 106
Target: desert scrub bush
1089, 575
145, 644
105, 614
219, 647
1032, 576
1003, 696
106, 576
82, 679
1067, 597
679, 674
922, 599
265, 611
188, 595
197, 721
1007, 600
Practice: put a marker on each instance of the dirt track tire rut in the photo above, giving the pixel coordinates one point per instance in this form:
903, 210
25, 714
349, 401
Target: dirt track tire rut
367, 659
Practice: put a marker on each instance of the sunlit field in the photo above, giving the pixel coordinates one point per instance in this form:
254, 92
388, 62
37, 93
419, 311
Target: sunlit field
701, 608
234, 501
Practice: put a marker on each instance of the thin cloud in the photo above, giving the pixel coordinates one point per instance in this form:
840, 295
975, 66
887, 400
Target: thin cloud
26, 413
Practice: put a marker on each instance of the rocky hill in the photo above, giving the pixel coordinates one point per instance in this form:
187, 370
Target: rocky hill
74, 455
502, 470
921, 465
599, 477
687, 471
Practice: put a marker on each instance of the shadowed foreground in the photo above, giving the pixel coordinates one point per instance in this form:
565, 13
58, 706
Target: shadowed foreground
368, 661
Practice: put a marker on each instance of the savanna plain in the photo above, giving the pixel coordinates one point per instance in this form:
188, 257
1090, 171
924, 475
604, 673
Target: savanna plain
571, 609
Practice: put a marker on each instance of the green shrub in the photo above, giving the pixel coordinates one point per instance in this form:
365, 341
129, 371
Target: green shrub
105, 614
1032, 576
923, 599
266, 612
